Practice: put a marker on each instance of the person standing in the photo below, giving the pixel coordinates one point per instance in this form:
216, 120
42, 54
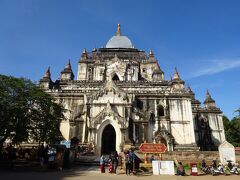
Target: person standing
128, 163
115, 161
59, 158
133, 162
121, 159
102, 164
180, 169
110, 164
152, 158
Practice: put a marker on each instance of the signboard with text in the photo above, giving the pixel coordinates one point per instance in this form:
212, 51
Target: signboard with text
152, 148
163, 167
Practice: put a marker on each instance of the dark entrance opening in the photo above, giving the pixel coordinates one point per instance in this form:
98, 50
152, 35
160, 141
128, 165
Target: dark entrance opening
108, 140
115, 77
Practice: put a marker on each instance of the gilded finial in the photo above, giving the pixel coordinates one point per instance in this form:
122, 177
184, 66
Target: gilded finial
151, 53
119, 30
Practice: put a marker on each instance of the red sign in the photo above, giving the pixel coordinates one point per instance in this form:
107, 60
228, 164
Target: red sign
152, 148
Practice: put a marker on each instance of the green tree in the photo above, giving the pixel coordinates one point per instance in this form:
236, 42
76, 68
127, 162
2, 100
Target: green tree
14, 106
27, 112
235, 128
46, 118
228, 130
232, 130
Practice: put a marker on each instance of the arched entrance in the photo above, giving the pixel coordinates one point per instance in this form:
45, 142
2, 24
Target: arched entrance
163, 136
108, 140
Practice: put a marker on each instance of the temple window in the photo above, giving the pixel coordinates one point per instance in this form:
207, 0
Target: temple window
160, 110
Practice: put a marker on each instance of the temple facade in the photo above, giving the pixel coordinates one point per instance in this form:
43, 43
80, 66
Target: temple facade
120, 97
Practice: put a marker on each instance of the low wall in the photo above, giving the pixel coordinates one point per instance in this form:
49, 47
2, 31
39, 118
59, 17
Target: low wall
188, 156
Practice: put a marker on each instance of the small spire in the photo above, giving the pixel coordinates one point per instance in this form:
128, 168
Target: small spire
209, 100
176, 75
151, 53
48, 73
118, 30
208, 95
94, 49
68, 66
84, 54
189, 88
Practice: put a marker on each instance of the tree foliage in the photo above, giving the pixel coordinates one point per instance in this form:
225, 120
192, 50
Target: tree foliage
232, 130
46, 118
27, 112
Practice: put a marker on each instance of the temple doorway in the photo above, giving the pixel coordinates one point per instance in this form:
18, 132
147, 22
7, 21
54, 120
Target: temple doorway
108, 140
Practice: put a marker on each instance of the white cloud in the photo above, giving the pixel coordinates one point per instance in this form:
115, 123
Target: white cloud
216, 66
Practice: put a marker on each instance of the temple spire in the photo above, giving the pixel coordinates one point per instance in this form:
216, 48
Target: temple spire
84, 54
189, 88
66, 73
46, 82
209, 101
48, 73
208, 96
118, 30
151, 53
176, 75
68, 66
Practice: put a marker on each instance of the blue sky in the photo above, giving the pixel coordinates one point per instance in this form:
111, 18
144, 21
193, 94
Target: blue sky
199, 37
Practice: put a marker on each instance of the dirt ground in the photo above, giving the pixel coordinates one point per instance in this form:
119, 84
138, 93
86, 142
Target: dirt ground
88, 174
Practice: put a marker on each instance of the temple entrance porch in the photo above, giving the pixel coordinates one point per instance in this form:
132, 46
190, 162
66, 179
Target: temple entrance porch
108, 137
